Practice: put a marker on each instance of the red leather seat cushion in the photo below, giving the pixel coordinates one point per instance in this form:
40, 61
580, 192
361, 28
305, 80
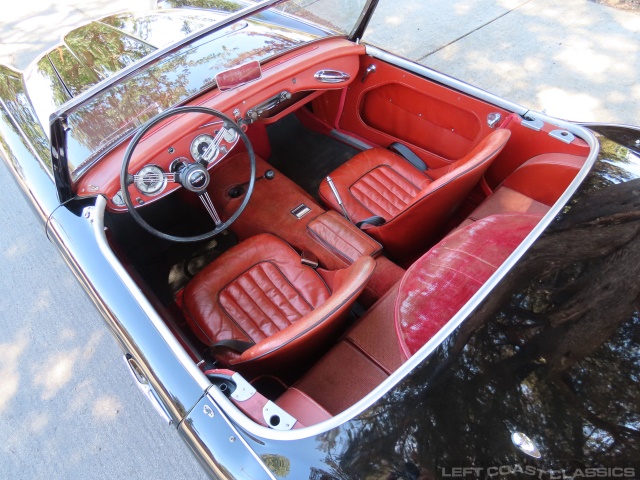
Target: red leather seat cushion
375, 182
544, 178
252, 291
439, 283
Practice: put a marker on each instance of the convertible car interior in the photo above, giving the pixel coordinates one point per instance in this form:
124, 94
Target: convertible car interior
356, 208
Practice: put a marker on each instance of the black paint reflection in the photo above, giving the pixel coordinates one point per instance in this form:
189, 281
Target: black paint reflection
17, 103
105, 50
161, 28
554, 353
76, 76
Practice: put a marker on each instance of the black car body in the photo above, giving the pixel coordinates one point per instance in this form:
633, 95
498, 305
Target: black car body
537, 375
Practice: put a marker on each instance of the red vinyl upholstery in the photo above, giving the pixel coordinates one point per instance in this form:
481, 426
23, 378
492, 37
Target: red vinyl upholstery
445, 278
415, 204
260, 292
532, 188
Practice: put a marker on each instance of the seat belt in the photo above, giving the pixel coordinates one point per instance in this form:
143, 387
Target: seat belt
238, 346
376, 221
408, 155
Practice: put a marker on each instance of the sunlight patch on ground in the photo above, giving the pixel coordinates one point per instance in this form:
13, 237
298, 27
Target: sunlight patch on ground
9, 374
42, 302
587, 58
37, 422
66, 334
106, 408
559, 12
630, 22
561, 103
393, 20
462, 8
84, 394
511, 4
59, 372
16, 249
90, 347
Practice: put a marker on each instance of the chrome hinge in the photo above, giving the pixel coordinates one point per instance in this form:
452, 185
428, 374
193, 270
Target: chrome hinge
493, 119
145, 387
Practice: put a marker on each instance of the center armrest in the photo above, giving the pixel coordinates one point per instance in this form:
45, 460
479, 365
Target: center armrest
340, 237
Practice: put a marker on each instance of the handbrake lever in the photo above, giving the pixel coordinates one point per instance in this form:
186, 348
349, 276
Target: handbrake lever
338, 198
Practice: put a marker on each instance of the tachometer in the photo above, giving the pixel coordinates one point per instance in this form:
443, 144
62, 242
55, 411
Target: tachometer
150, 180
200, 145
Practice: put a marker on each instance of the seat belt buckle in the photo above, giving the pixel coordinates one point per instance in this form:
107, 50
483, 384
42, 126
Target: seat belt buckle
309, 259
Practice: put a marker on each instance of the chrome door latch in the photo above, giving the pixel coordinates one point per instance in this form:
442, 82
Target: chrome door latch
331, 76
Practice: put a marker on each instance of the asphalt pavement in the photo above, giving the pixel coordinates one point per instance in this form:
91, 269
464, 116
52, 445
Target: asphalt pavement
68, 408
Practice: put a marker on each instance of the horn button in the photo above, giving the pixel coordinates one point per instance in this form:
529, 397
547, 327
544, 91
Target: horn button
195, 178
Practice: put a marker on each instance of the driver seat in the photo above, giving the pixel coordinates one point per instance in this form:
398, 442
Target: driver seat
258, 306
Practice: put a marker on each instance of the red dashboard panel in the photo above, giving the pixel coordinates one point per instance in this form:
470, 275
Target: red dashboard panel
293, 73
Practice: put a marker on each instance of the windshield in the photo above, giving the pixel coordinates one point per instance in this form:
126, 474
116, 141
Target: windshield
95, 126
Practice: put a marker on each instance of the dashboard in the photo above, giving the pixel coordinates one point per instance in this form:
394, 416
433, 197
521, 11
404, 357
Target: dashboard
287, 83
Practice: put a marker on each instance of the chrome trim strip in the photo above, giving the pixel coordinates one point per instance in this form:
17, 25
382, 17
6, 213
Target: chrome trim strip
97, 222
445, 80
134, 67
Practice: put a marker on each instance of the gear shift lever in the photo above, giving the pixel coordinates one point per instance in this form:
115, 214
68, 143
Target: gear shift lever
238, 190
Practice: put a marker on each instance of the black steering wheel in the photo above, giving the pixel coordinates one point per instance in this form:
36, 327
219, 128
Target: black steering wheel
194, 176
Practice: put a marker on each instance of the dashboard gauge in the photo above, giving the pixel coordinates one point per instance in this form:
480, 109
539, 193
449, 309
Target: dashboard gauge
118, 199
199, 147
229, 134
150, 180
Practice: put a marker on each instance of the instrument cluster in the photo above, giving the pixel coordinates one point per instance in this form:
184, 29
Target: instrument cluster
211, 143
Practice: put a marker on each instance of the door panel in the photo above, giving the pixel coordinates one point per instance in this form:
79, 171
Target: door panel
389, 104
419, 119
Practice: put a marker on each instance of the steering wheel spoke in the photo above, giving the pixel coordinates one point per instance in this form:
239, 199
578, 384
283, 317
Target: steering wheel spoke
213, 150
211, 209
168, 177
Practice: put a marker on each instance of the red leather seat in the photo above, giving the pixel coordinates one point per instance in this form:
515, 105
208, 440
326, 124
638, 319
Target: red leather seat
445, 278
260, 292
415, 204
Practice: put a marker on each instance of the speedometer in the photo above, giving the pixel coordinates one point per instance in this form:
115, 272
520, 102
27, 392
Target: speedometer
200, 145
150, 180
